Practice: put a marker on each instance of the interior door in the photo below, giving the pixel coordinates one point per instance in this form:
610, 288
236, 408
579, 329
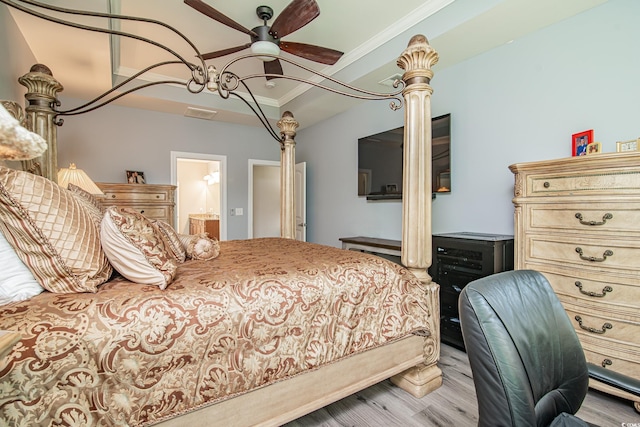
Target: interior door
301, 201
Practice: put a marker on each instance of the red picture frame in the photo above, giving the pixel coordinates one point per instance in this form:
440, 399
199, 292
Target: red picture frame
579, 142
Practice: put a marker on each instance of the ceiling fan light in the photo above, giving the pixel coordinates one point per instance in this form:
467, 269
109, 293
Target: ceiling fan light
265, 48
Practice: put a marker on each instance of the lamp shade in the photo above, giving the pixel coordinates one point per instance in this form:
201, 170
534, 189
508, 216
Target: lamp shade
72, 175
265, 48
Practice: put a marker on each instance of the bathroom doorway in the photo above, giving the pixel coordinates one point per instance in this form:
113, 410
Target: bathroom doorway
201, 189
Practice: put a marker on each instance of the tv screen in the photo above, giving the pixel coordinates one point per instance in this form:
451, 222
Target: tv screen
380, 161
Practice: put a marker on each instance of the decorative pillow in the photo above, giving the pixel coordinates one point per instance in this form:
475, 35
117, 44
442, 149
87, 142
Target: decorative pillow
16, 142
200, 246
89, 202
16, 282
173, 241
135, 247
51, 233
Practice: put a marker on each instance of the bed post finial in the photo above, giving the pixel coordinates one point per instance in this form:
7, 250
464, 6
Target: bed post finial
416, 61
288, 125
41, 96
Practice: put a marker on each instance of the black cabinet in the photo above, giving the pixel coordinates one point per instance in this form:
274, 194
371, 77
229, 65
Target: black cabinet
460, 258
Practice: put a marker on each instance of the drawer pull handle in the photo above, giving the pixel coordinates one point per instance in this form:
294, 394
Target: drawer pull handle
605, 326
113, 196
594, 294
546, 184
606, 362
605, 254
605, 217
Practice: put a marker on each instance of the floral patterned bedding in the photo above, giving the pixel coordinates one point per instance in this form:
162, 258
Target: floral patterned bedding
264, 310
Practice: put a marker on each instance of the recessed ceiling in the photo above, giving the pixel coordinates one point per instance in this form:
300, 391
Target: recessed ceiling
87, 63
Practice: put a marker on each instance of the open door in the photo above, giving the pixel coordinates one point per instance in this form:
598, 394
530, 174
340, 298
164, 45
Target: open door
301, 201
264, 199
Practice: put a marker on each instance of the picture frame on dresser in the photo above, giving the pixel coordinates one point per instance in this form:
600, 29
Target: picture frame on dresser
594, 148
580, 141
630, 145
135, 177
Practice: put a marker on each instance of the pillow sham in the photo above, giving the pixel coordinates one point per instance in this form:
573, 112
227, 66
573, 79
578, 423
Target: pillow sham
51, 233
173, 241
88, 201
16, 282
135, 247
200, 246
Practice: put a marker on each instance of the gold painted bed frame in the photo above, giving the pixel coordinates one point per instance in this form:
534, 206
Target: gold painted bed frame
411, 362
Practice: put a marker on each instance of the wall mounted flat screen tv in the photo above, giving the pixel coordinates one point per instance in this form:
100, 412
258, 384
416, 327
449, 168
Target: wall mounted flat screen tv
380, 161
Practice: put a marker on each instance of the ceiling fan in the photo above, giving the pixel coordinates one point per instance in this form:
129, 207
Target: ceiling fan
267, 39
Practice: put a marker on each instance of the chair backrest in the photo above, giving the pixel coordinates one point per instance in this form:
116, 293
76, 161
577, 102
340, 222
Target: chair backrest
527, 363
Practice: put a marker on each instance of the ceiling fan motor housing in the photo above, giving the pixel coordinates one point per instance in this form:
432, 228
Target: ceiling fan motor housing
263, 35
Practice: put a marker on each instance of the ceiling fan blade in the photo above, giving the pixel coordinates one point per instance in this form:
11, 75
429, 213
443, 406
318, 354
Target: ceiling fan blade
312, 52
223, 52
212, 13
295, 16
273, 67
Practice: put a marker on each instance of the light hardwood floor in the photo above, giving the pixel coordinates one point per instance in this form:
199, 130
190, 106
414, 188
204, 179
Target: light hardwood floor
453, 404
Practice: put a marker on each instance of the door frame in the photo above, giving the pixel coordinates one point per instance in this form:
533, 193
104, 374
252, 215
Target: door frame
183, 155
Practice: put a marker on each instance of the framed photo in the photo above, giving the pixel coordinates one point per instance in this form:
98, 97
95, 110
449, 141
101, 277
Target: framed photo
631, 145
594, 148
392, 188
135, 177
580, 142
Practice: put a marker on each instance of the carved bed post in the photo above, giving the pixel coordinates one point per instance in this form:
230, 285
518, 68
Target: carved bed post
417, 60
41, 96
288, 126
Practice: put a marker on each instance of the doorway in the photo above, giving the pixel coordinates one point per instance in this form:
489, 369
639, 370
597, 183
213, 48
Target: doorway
264, 199
201, 182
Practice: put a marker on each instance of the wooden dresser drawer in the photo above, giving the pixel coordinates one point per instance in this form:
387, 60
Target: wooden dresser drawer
137, 196
602, 325
583, 217
624, 362
594, 291
618, 256
587, 182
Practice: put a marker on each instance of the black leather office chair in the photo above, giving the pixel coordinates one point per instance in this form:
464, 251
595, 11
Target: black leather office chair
528, 366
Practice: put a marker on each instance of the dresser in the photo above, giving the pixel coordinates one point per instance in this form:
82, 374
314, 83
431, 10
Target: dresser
205, 223
577, 220
458, 259
154, 201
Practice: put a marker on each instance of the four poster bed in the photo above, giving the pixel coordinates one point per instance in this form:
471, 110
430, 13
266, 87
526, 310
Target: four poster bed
263, 333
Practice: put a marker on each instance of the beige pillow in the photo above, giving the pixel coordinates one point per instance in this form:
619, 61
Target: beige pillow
51, 233
135, 247
199, 246
89, 202
173, 241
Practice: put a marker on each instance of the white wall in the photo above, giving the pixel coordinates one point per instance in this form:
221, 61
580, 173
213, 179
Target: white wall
517, 103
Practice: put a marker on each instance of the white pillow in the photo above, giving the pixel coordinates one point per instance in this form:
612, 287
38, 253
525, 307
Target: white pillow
135, 247
16, 281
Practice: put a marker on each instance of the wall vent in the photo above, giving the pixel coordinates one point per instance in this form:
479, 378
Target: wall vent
389, 80
200, 113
